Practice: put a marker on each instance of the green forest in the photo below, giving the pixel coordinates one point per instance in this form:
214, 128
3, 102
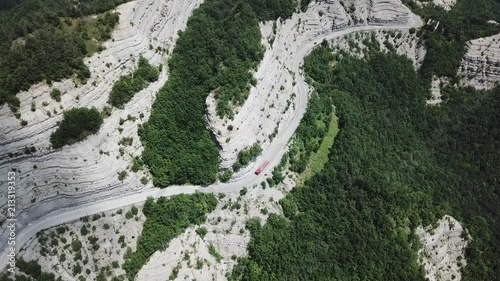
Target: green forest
395, 164
77, 124
215, 53
446, 45
311, 130
167, 218
127, 86
48, 39
33, 270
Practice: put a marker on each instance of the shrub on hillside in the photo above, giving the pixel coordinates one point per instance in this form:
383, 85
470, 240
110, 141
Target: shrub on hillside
127, 86
77, 124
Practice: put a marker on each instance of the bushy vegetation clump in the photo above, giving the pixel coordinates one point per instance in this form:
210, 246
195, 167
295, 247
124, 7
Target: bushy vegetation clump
215, 53
395, 164
48, 39
247, 155
33, 270
77, 124
165, 219
127, 86
56, 94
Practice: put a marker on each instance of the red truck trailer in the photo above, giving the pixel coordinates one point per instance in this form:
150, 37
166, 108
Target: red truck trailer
261, 168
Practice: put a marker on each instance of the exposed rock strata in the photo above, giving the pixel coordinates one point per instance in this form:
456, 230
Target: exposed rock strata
402, 42
51, 180
443, 253
271, 102
481, 64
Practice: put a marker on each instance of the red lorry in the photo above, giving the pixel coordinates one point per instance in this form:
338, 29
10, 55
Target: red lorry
261, 168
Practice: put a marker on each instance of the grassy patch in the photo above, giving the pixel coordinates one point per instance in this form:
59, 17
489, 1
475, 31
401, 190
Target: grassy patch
318, 159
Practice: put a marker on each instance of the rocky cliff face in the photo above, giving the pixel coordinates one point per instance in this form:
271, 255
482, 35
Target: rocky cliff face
374, 11
481, 65
270, 105
52, 180
443, 251
445, 4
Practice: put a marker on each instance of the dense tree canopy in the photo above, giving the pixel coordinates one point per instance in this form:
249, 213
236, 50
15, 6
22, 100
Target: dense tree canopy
77, 124
465, 135
343, 224
165, 219
33, 270
395, 164
127, 86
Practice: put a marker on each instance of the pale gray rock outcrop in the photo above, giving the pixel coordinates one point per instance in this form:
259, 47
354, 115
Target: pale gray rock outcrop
49, 181
443, 251
481, 64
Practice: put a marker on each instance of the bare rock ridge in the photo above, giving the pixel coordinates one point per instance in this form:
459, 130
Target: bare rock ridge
481, 64
103, 238
376, 12
271, 101
57, 185
387, 11
51, 180
403, 42
445, 4
443, 251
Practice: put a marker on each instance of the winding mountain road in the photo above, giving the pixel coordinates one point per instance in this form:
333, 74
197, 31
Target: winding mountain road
273, 153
